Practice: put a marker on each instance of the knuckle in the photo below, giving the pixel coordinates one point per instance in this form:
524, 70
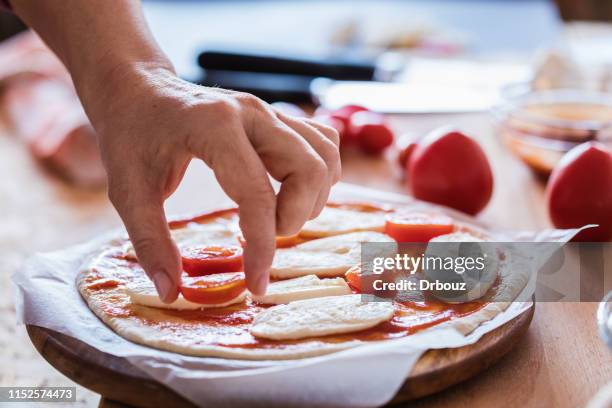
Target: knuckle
221, 108
330, 133
318, 169
330, 153
261, 192
250, 101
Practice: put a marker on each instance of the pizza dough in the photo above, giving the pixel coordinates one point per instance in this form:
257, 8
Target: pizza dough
320, 317
305, 287
247, 329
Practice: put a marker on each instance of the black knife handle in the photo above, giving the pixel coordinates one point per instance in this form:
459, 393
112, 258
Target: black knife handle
346, 68
269, 87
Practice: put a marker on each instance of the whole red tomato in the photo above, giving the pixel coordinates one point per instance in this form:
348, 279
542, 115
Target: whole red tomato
371, 132
449, 168
579, 191
344, 115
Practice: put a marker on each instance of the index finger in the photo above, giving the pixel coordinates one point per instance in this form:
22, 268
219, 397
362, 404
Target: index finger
243, 177
143, 215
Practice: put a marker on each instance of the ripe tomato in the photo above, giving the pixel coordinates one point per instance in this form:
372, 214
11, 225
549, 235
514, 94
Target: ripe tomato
344, 115
406, 144
404, 154
213, 289
371, 132
198, 261
449, 168
579, 191
417, 227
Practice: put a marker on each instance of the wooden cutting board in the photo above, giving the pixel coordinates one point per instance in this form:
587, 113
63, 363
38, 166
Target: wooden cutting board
123, 385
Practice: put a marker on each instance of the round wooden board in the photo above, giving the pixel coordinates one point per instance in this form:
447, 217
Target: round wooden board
116, 379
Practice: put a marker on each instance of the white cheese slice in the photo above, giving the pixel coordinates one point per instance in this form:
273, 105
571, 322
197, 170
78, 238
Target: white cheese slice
320, 317
477, 286
336, 221
305, 287
142, 292
213, 233
324, 257
456, 237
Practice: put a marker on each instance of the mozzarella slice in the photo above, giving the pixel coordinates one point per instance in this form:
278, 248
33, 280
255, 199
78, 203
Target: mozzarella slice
305, 287
204, 234
336, 221
478, 285
456, 237
320, 317
213, 233
325, 257
142, 292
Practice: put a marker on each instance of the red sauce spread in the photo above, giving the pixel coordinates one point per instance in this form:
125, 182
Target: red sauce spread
229, 326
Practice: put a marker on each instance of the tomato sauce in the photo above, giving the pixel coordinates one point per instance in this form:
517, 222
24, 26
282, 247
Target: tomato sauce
229, 326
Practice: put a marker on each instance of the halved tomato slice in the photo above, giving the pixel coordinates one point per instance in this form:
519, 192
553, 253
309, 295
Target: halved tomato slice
367, 283
204, 260
417, 227
353, 278
281, 242
213, 289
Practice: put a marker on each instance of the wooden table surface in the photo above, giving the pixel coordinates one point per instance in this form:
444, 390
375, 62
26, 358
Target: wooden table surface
560, 362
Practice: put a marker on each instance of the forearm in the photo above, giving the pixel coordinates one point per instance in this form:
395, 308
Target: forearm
96, 39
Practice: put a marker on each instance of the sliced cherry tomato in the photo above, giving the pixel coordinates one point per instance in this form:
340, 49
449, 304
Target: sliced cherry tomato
353, 277
360, 206
198, 261
371, 132
213, 289
580, 191
281, 242
367, 284
417, 227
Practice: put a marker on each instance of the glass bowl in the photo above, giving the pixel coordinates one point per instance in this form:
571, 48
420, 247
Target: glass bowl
604, 319
541, 126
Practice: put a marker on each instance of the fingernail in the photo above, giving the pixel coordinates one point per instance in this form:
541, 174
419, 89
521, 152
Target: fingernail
163, 284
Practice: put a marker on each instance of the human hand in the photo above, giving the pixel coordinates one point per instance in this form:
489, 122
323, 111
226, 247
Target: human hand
151, 124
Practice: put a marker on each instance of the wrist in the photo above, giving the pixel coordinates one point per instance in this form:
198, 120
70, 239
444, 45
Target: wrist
116, 84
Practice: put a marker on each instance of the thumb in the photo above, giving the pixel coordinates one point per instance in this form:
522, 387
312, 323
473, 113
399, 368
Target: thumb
145, 221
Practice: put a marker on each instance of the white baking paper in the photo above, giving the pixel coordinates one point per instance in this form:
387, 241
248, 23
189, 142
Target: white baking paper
367, 376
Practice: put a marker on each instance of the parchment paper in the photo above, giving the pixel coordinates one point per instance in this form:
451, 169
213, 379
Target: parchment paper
367, 376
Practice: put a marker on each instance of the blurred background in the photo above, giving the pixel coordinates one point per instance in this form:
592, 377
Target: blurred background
527, 79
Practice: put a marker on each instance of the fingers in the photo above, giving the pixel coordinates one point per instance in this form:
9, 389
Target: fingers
324, 140
290, 159
142, 213
244, 179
